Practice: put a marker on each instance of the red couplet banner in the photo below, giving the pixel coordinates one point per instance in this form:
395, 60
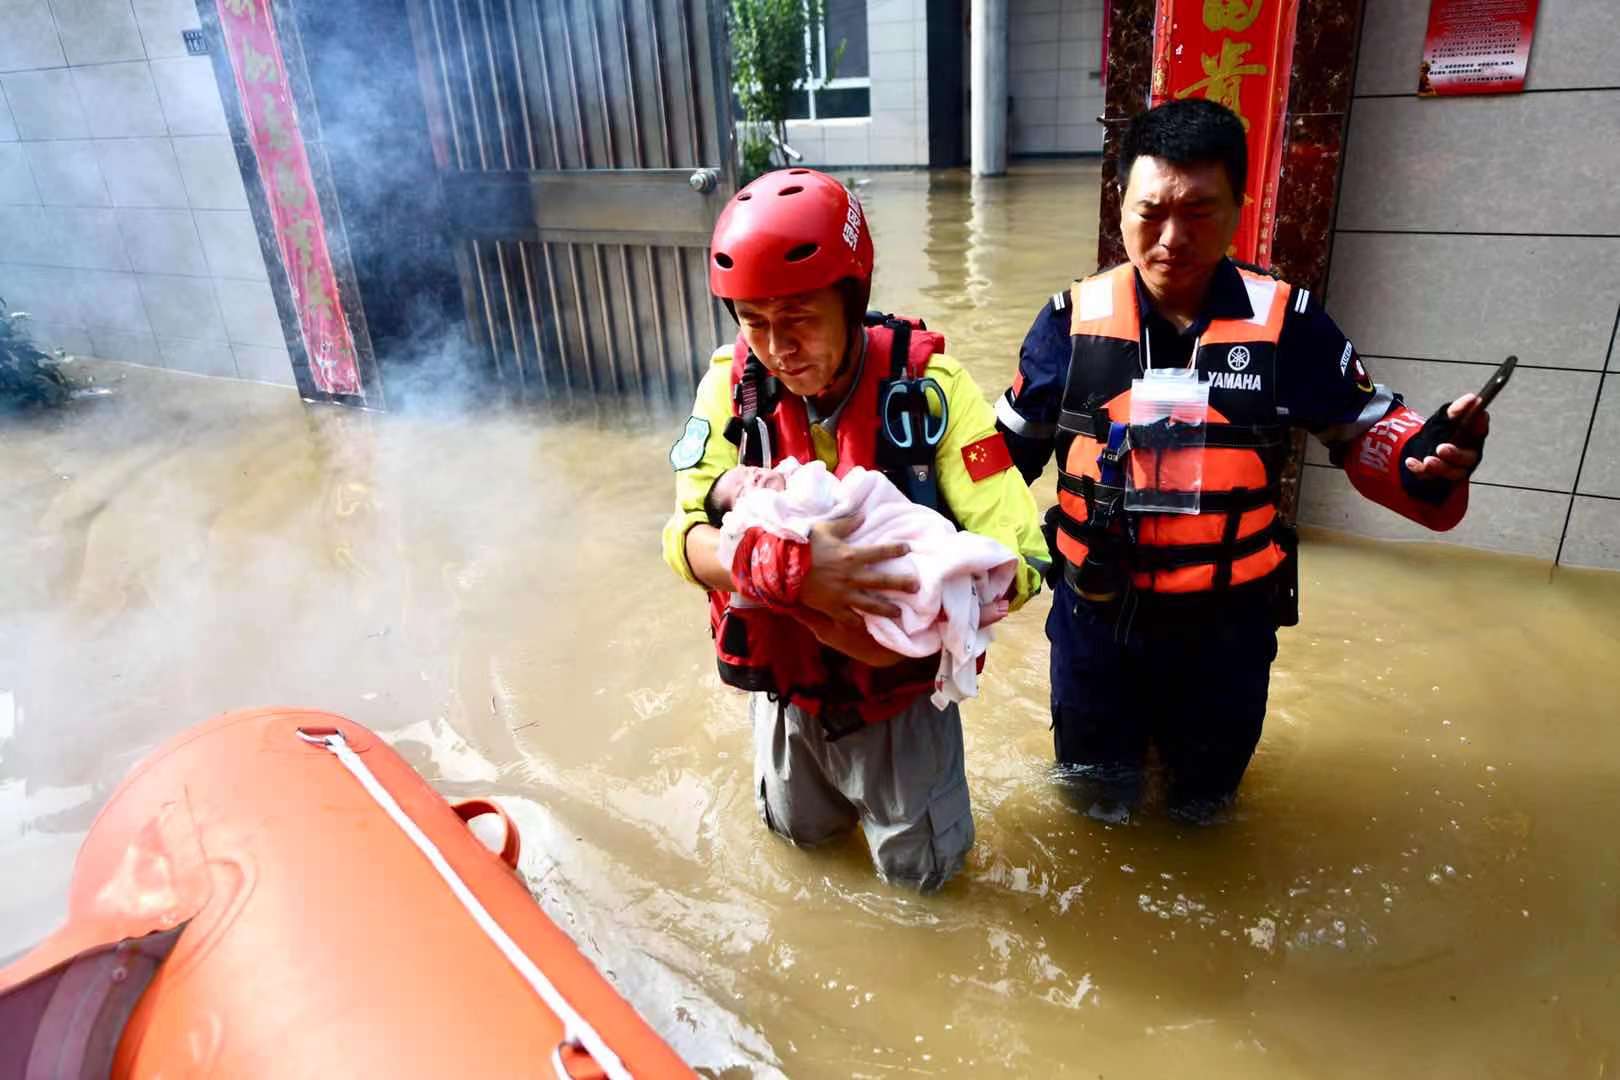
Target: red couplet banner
1239, 53
1477, 47
278, 144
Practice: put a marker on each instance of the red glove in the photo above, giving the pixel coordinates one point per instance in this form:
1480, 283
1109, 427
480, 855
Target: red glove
1375, 463
769, 569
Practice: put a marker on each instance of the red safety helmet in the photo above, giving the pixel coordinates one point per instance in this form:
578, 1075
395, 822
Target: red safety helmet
789, 232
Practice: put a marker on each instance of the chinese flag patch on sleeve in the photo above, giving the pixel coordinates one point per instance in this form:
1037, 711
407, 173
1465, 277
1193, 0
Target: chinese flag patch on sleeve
987, 457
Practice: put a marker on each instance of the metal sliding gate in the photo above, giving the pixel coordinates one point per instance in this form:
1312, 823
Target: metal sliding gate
585, 148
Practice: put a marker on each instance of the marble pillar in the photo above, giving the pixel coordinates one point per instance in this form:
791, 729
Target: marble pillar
1129, 75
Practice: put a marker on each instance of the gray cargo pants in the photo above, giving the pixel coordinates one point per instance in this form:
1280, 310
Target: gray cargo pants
902, 780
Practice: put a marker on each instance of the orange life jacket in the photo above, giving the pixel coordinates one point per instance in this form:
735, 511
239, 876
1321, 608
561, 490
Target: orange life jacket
1236, 540
760, 650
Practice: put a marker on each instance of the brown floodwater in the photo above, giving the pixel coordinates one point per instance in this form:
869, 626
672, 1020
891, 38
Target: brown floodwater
1420, 878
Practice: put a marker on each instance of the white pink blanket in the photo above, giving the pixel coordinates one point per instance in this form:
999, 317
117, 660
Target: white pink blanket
959, 574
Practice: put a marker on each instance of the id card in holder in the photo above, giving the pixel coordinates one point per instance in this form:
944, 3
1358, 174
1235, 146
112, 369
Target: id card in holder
1169, 417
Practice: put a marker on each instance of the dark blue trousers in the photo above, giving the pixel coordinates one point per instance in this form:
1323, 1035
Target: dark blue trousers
1196, 692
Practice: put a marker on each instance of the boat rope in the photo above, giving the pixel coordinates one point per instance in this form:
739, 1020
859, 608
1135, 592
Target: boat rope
576, 1031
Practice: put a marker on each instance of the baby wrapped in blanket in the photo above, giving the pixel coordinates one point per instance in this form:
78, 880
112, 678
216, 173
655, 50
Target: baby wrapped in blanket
963, 578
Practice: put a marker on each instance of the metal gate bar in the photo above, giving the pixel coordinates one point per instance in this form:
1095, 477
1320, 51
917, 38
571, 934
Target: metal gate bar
566, 143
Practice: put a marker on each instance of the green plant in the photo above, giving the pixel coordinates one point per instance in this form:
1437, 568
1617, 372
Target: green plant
768, 67
29, 378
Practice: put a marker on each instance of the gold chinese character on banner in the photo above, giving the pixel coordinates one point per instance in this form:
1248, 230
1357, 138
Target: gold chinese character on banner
1223, 77
259, 67
277, 125
301, 235
1231, 14
290, 186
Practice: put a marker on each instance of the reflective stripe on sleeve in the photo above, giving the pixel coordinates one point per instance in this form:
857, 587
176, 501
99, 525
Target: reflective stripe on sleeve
1018, 425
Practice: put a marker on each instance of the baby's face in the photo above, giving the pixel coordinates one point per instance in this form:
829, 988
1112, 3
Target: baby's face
743, 478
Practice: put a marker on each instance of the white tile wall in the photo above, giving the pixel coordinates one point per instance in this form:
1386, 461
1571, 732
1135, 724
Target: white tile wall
82, 238
162, 242
896, 132
250, 315
71, 339
1525, 450
1451, 250
182, 307
44, 104
20, 225
198, 357
109, 302
208, 166
190, 96
1499, 519
1054, 46
119, 100
267, 365
1600, 475
124, 223
126, 348
97, 31
30, 39
1594, 533
45, 293
162, 22
847, 142
232, 244
1413, 163
16, 179
1565, 286
67, 173
141, 172
1573, 46
8, 126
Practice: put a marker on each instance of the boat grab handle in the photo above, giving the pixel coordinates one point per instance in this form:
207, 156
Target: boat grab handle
512, 844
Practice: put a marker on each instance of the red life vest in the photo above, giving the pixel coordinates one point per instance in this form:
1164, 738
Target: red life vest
1237, 538
760, 650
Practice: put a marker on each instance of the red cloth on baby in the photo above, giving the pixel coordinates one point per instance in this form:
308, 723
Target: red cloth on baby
769, 569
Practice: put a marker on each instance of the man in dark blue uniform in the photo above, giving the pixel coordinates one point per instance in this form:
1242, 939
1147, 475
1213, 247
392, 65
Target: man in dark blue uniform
1163, 626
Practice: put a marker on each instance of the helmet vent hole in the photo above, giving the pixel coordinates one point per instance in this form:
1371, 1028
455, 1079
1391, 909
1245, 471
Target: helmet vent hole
723, 261
802, 252
794, 190
745, 196
798, 172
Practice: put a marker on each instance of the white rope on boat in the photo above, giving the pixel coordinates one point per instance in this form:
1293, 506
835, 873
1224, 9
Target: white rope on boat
575, 1028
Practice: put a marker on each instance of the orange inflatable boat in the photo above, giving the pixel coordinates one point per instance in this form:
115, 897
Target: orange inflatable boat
277, 893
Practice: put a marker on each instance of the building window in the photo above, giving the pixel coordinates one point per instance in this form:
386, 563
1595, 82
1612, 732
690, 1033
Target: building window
837, 65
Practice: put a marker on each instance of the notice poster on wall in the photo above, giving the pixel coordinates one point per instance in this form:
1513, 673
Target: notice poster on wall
1476, 47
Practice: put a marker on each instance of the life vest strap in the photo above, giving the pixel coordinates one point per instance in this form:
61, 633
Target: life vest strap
1092, 424
1095, 423
753, 398
1145, 557
1210, 502
1188, 612
1086, 487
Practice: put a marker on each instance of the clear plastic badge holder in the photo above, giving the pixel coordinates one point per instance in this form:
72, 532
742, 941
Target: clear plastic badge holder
1165, 469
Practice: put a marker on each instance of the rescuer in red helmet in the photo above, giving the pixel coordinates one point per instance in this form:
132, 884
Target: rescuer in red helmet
844, 731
